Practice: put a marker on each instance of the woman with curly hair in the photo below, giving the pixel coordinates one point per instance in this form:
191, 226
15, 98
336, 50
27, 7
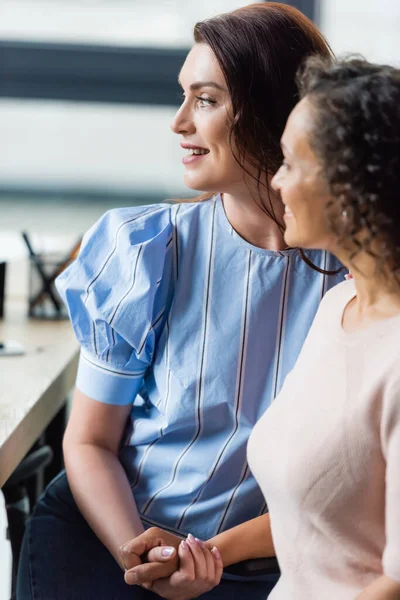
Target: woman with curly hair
333, 489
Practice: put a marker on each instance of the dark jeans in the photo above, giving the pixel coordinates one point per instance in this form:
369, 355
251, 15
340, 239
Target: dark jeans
62, 559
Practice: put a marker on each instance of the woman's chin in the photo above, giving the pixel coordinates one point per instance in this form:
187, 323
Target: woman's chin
290, 237
203, 182
193, 183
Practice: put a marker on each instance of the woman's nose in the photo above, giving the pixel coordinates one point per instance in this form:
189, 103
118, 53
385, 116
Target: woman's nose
182, 122
275, 181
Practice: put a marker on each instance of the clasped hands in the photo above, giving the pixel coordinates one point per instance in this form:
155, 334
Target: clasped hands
173, 568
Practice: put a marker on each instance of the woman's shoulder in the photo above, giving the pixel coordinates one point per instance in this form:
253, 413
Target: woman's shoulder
131, 218
124, 230
342, 291
155, 216
335, 300
124, 241
192, 208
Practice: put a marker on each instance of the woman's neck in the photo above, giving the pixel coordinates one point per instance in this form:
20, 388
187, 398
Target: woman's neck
377, 298
252, 223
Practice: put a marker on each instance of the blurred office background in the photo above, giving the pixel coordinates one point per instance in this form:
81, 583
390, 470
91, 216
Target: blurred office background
87, 91
88, 88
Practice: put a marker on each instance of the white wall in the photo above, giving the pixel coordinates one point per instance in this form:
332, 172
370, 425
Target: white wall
132, 22
129, 148
369, 27
76, 145
93, 146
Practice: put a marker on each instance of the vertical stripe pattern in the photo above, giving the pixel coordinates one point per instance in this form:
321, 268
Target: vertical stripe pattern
201, 364
239, 387
281, 330
243, 476
197, 337
173, 239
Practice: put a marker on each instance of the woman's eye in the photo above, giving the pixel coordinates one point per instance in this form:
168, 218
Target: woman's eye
205, 101
285, 164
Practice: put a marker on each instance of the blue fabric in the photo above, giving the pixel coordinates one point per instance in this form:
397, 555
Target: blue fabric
197, 329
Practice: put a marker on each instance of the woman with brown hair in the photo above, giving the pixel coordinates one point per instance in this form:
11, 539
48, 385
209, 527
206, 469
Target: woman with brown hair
189, 316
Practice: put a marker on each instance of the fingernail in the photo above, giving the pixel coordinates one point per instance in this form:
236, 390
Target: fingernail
167, 551
191, 538
184, 545
200, 542
216, 552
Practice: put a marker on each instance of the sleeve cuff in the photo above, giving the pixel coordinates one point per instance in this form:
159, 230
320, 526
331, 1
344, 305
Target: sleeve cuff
106, 383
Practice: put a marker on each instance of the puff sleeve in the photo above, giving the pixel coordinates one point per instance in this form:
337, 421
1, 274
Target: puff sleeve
117, 293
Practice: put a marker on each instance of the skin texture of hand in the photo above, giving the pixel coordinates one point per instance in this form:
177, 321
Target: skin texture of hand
200, 570
145, 551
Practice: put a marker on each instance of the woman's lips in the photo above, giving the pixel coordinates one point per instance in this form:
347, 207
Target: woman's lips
288, 213
189, 159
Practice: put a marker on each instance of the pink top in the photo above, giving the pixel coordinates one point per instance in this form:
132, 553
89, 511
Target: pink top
327, 457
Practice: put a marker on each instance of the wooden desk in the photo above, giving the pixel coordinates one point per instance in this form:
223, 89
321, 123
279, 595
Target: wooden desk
33, 387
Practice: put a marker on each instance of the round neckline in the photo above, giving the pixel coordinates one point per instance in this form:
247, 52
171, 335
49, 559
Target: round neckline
234, 234
378, 328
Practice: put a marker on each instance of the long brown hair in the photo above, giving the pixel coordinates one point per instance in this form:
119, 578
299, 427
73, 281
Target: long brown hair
259, 49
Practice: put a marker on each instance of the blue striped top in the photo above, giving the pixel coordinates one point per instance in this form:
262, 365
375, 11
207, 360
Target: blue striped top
194, 327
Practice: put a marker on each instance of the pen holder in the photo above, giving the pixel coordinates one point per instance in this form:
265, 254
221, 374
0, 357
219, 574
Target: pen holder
43, 298
2, 287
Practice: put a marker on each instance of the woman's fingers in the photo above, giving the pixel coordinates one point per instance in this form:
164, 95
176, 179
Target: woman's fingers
142, 545
200, 568
187, 572
156, 549
200, 564
218, 564
131, 550
129, 560
161, 554
165, 563
210, 562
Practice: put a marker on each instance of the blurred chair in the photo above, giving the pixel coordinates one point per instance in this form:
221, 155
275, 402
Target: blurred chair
19, 500
255, 567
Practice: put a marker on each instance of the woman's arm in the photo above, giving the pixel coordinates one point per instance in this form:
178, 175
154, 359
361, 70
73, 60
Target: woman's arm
382, 588
96, 477
252, 539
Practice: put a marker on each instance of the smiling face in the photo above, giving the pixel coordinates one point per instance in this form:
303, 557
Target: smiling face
203, 121
302, 186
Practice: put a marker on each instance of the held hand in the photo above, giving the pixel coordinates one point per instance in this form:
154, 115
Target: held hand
200, 570
145, 560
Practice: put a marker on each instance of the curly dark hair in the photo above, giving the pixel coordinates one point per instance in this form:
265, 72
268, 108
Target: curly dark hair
356, 136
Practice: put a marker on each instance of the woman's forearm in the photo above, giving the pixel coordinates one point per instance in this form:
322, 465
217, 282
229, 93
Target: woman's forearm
252, 539
382, 588
102, 492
